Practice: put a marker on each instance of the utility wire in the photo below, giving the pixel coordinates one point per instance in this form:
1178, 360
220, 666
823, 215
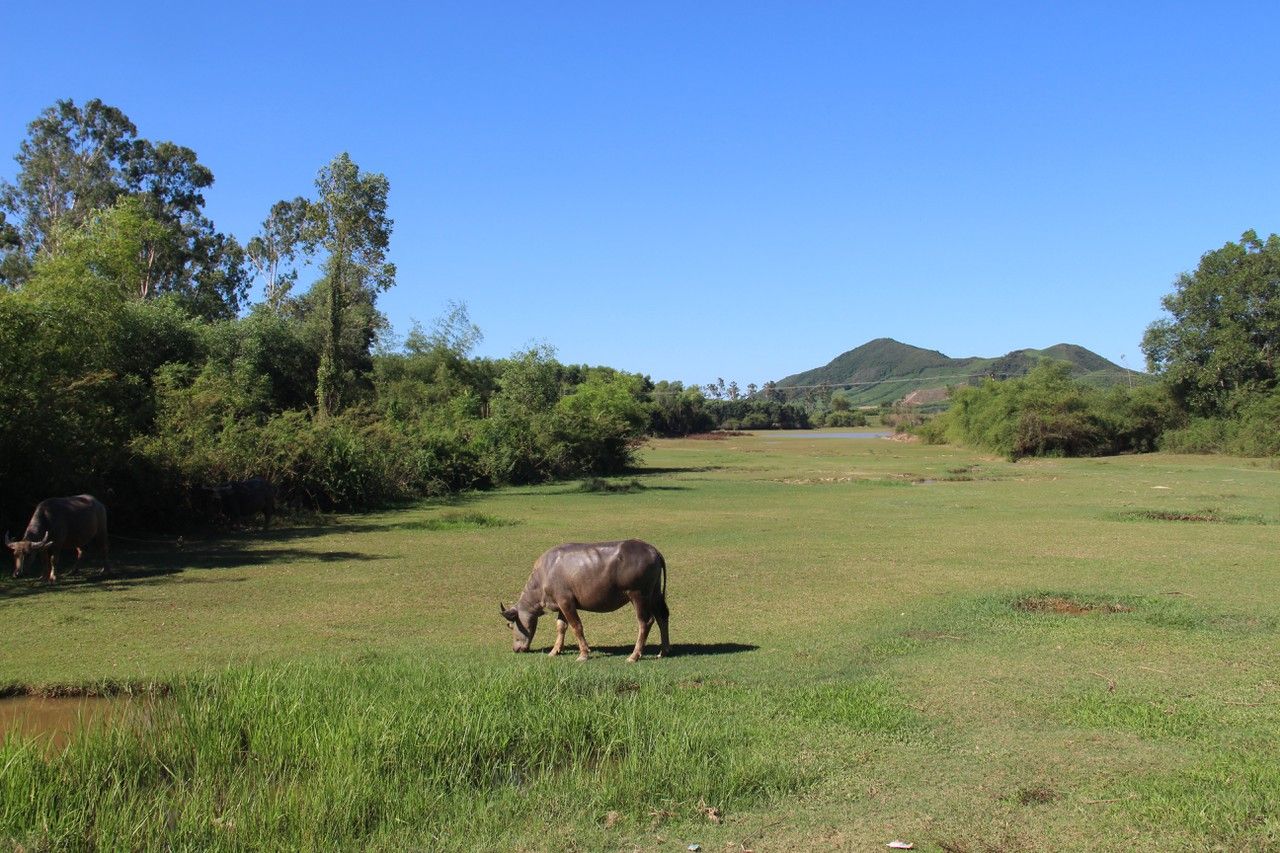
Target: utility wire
891, 379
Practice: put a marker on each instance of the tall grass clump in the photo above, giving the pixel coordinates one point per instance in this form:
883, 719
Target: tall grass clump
389, 753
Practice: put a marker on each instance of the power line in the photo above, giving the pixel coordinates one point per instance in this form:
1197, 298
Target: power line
892, 379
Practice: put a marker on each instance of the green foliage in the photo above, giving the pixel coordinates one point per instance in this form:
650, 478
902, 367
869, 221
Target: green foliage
595, 428
678, 410
1254, 431
1047, 413
79, 162
1220, 347
845, 418
1258, 431
758, 414
545, 425
80, 364
348, 222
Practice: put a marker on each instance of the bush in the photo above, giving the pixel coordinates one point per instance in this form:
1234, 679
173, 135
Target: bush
846, 418
1258, 433
1046, 413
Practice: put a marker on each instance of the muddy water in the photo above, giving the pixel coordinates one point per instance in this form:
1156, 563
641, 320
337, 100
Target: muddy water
55, 720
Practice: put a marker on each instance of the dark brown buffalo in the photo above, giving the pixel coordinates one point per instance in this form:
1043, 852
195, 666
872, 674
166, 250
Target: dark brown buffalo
598, 578
58, 524
242, 499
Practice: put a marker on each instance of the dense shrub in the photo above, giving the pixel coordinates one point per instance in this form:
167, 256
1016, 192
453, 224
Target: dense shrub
1258, 433
763, 414
78, 365
1046, 413
1255, 431
679, 411
846, 418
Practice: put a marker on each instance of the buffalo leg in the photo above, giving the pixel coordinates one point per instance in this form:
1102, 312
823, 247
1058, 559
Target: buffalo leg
571, 616
561, 627
662, 613
644, 620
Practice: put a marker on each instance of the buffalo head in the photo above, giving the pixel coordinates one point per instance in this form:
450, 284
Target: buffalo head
25, 550
522, 627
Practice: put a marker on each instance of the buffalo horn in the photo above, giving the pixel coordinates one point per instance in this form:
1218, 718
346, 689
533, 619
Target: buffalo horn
8, 540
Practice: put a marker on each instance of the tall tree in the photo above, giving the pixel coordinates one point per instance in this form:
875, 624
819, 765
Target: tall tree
77, 161
348, 222
70, 164
273, 249
1221, 345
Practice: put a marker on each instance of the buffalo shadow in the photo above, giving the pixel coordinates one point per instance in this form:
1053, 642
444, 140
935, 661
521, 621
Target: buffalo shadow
678, 650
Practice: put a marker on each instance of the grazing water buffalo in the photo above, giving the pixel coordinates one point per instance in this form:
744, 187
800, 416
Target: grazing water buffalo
56, 524
598, 578
241, 499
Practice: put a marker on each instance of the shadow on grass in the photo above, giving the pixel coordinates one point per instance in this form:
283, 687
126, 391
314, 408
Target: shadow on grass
139, 563
648, 471
651, 649
184, 559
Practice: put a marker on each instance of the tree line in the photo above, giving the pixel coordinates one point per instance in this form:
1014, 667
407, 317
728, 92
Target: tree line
136, 366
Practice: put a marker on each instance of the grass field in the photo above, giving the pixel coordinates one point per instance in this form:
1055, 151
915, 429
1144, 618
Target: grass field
874, 641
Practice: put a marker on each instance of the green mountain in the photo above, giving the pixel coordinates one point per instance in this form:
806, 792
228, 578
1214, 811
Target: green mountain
886, 371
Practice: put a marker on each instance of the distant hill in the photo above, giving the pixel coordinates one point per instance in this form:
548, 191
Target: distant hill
886, 371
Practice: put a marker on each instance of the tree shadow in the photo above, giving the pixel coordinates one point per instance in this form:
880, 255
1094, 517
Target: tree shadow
674, 469
154, 562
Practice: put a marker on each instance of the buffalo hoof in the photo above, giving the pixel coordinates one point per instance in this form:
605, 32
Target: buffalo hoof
632, 658
581, 658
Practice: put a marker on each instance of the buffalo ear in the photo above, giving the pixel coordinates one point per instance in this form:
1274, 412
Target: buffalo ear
8, 540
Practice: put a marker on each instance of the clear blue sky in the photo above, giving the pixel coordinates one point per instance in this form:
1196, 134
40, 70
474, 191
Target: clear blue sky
694, 190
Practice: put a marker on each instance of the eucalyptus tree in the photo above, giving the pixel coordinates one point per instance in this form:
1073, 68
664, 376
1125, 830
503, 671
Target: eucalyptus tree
272, 251
70, 164
78, 161
348, 224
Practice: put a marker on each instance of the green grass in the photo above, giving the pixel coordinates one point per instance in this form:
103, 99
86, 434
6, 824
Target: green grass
852, 665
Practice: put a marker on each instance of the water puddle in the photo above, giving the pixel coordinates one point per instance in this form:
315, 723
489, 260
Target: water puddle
56, 720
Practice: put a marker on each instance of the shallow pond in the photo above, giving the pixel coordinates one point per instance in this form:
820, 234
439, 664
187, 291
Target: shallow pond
57, 719
814, 434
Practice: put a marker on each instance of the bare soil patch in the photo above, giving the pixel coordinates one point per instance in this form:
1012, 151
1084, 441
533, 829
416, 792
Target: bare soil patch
1067, 606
